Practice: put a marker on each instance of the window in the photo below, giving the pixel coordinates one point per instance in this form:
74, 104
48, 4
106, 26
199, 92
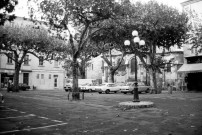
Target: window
26, 60
92, 66
49, 76
42, 76
37, 76
122, 66
10, 56
55, 63
42, 79
196, 59
168, 67
55, 75
41, 60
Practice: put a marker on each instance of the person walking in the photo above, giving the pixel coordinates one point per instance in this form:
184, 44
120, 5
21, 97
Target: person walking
169, 89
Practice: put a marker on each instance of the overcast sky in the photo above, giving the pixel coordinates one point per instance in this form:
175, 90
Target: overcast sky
21, 8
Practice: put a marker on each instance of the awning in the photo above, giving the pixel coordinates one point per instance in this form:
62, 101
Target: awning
191, 68
8, 71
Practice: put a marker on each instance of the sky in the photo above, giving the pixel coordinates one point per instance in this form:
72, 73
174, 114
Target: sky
22, 9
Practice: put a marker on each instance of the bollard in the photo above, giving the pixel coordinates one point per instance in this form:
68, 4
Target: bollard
68, 95
83, 95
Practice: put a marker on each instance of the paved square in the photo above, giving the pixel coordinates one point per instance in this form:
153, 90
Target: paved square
50, 113
13, 121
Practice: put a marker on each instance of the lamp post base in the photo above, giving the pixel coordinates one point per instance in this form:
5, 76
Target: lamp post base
135, 105
136, 96
136, 100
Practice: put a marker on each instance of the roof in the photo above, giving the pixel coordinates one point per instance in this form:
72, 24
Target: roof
188, 2
191, 68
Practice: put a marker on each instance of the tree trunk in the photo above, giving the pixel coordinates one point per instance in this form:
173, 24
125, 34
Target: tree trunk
154, 69
16, 77
111, 75
154, 81
75, 89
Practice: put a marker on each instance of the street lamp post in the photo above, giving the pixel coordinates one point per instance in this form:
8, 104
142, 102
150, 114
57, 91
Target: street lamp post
135, 46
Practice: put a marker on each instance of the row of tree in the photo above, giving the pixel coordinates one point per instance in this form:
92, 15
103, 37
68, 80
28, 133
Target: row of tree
99, 26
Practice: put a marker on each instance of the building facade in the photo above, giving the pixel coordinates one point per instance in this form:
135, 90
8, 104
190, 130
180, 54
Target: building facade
34, 72
192, 67
126, 72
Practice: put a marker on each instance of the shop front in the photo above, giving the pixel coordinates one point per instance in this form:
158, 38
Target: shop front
193, 77
6, 77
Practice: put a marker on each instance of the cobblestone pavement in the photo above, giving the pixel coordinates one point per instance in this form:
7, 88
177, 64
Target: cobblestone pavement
50, 113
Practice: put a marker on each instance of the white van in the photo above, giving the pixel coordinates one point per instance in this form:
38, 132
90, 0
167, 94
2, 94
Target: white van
69, 83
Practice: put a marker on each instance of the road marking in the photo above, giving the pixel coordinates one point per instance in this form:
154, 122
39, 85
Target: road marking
43, 117
30, 115
56, 121
9, 109
28, 129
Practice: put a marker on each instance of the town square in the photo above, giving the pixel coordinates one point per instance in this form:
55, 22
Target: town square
101, 67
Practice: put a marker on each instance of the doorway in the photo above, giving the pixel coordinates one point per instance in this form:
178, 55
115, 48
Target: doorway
195, 81
55, 81
26, 78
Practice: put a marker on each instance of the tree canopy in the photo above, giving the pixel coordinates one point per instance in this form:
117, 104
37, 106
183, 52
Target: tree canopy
20, 40
83, 16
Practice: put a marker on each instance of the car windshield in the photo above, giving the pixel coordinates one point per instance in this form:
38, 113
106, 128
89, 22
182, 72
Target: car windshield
140, 83
128, 84
120, 84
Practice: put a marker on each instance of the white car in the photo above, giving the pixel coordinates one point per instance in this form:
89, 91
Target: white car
124, 85
107, 88
90, 87
87, 87
141, 88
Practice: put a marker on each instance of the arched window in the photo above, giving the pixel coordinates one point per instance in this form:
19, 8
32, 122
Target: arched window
122, 66
41, 59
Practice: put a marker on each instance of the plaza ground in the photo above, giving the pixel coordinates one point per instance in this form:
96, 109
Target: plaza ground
50, 113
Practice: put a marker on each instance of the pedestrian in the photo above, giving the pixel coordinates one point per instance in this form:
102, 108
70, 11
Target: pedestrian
169, 89
2, 98
9, 88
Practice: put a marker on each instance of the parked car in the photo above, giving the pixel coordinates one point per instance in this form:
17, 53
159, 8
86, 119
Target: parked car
68, 87
123, 86
107, 88
130, 88
90, 87
23, 86
83, 87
